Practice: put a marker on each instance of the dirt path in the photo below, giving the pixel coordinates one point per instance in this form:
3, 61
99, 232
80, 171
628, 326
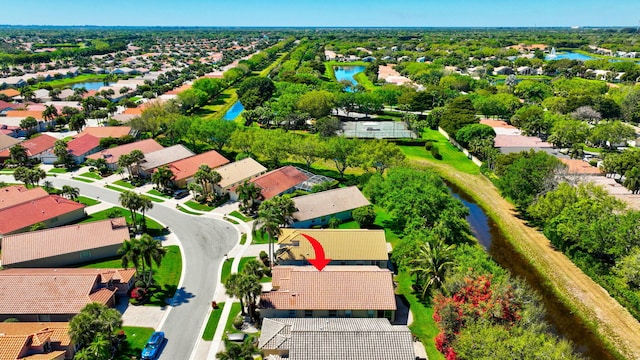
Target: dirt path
614, 322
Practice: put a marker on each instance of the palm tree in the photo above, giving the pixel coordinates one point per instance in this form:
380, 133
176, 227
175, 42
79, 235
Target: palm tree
145, 204
162, 177
50, 112
70, 192
27, 94
124, 161
232, 288
253, 267
151, 252
431, 263
131, 201
207, 178
80, 91
248, 194
77, 122
632, 180
136, 157
130, 251
94, 320
272, 214
250, 289
234, 351
47, 185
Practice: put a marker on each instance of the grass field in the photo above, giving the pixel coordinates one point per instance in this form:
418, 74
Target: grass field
61, 83
158, 193
212, 323
115, 188
82, 179
88, 201
197, 206
153, 227
184, 210
91, 175
124, 184
260, 237
235, 311
220, 105
58, 171
363, 80
450, 154
240, 216
137, 337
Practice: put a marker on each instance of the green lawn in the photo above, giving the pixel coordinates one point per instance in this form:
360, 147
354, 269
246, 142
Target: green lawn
363, 80
58, 171
226, 270
83, 179
91, 175
197, 206
235, 310
184, 210
240, 216
349, 225
260, 237
61, 83
153, 227
423, 326
137, 337
243, 239
158, 193
115, 188
154, 199
88, 201
124, 184
450, 154
212, 323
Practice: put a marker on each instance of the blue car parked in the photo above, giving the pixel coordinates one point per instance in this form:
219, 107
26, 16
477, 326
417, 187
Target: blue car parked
151, 350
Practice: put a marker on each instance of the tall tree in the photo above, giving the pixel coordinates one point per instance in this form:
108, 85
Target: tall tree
248, 194
92, 321
70, 192
272, 214
131, 201
162, 177
151, 252
18, 154
431, 264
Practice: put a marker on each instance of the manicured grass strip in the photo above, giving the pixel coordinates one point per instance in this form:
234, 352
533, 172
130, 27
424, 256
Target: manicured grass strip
212, 323
167, 276
235, 311
82, 179
244, 261
450, 154
197, 206
110, 187
184, 210
423, 326
154, 199
363, 80
158, 193
137, 337
124, 184
226, 270
60, 83
91, 175
88, 201
153, 227
243, 239
240, 216
266, 279
231, 220
58, 171
260, 237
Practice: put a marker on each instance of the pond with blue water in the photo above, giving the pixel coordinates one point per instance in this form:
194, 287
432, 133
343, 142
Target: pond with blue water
347, 73
234, 111
91, 85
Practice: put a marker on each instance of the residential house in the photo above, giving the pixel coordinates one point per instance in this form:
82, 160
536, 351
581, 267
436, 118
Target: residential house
7, 141
112, 155
503, 70
10, 93
6, 106
18, 194
51, 210
280, 181
36, 148
59, 294
155, 159
330, 339
12, 81
236, 173
342, 246
35, 341
102, 132
183, 170
316, 209
83, 146
336, 291
42, 95
66, 245
526, 70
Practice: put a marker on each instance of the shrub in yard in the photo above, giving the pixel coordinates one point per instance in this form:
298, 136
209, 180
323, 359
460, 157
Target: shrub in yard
364, 216
436, 153
237, 322
428, 145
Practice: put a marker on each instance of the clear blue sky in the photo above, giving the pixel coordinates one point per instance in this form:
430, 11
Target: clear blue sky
322, 12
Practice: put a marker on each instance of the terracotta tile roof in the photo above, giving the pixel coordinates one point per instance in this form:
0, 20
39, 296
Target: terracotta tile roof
50, 291
337, 338
239, 171
113, 154
25, 113
34, 146
179, 89
12, 346
520, 141
10, 92
577, 166
184, 169
133, 111
106, 131
33, 245
496, 123
338, 244
327, 203
334, 288
18, 194
165, 156
25, 214
279, 180
83, 144
7, 105
7, 141
54, 355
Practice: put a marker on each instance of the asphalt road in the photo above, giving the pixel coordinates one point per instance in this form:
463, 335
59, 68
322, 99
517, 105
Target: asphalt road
204, 243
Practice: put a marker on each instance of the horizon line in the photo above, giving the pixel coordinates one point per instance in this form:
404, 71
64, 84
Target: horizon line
328, 26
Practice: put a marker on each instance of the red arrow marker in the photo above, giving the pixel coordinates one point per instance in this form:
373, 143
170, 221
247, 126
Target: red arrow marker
320, 261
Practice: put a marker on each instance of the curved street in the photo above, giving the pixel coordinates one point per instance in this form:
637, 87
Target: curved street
203, 243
